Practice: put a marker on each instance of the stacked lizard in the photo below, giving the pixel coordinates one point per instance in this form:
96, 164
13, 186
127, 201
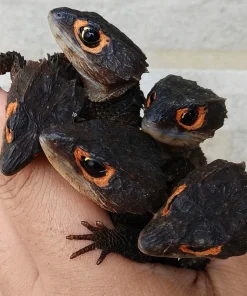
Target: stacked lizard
82, 109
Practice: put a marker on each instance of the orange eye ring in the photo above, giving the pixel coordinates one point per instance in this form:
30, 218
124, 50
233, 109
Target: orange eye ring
104, 40
170, 199
9, 135
201, 113
101, 181
11, 109
212, 251
151, 99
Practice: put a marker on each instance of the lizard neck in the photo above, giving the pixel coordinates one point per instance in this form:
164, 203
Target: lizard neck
98, 92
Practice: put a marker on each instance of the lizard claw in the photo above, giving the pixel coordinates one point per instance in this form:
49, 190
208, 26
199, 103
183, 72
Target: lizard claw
100, 236
83, 251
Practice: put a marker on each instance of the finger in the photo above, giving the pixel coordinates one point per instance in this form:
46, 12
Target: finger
15, 261
232, 271
3, 98
3, 95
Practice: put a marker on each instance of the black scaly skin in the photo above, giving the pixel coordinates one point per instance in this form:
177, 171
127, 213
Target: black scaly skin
134, 182
124, 109
172, 95
110, 66
110, 76
205, 218
66, 69
135, 190
176, 169
11, 62
37, 86
195, 156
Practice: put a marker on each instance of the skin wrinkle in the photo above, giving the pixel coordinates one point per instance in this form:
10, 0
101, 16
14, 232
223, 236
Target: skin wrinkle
47, 192
37, 281
15, 240
17, 189
14, 191
208, 285
229, 274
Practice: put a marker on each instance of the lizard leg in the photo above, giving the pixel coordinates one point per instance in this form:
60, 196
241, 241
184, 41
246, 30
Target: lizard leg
123, 240
11, 62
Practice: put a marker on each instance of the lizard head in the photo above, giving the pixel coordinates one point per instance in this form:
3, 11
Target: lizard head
19, 145
178, 112
204, 217
109, 62
38, 97
116, 166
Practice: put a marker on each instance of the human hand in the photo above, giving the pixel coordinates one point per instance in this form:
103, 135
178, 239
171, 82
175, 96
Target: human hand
38, 209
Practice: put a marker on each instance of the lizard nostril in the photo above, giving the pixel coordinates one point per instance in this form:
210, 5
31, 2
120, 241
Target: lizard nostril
58, 15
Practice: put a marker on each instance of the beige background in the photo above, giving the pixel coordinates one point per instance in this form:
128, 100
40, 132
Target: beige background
203, 40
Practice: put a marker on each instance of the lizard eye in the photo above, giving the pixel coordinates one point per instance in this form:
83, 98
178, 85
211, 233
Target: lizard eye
92, 170
89, 36
9, 132
170, 200
200, 251
11, 109
151, 99
92, 167
191, 119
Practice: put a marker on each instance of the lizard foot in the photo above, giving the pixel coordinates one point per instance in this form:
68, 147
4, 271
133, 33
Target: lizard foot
102, 239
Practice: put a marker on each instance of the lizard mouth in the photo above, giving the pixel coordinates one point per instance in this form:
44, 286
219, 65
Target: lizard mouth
63, 33
59, 151
50, 145
172, 136
149, 243
99, 85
